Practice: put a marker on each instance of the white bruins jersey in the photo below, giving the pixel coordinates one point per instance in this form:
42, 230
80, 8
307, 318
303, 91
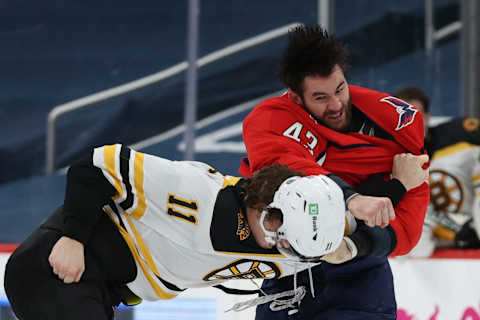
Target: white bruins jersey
455, 166
183, 223
454, 150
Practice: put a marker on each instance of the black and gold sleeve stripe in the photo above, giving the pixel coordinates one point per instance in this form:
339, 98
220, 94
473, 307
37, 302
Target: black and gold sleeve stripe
123, 167
124, 159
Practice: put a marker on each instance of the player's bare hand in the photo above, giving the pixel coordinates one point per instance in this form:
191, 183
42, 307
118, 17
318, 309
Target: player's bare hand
407, 168
67, 259
341, 255
374, 211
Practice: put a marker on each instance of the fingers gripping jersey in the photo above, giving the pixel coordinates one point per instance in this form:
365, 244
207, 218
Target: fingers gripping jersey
183, 223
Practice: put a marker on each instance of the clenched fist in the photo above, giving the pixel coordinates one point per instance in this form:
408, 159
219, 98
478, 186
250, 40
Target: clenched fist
374, 211
67, 259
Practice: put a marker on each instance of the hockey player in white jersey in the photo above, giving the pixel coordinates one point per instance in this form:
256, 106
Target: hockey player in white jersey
182, 225
175, 219
453, 217
134, 226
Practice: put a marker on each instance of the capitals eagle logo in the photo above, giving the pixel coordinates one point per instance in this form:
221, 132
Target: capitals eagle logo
405, 111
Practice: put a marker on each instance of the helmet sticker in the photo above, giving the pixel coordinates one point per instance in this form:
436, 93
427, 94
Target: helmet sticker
313, 209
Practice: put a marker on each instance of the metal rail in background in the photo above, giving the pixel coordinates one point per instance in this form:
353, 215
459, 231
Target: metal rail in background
433, 35
468, 27
81, 103
470, 58
326, 10
191, 88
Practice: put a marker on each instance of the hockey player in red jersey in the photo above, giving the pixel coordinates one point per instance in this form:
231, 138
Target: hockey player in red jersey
323, 125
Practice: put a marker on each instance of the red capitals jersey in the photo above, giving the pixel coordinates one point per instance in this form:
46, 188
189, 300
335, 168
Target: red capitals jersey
281, 131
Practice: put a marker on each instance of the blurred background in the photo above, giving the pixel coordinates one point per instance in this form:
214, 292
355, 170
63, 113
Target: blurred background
78, 74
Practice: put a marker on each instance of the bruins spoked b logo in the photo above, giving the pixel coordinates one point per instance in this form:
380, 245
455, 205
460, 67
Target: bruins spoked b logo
446, 192
245, 269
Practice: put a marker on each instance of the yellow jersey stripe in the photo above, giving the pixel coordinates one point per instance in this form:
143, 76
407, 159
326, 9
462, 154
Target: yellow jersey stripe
138, 183
444, 233
230, 181
109, 159
452, 149
161, 294
475, 178
235, 270
143, 248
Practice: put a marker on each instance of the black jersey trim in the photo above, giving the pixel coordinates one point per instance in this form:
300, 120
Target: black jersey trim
113, 207
169, 285
125, 154
352, 146
321, 155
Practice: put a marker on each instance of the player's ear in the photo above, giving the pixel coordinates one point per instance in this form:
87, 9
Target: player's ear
294, 97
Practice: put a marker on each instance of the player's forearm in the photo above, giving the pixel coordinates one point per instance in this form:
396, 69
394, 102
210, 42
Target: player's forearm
377, 186
410, 216
86, 193
410, 209
375, 241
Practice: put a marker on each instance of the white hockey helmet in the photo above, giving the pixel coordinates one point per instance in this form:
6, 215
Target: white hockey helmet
313, 211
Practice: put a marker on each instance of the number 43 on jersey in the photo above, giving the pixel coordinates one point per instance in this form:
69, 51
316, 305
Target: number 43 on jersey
295, 131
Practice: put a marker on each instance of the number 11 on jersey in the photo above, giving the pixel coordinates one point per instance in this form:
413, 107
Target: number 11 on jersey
176, 205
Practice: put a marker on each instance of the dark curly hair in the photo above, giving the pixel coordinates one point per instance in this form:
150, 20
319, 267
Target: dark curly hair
414, 93
261, 186
310, 51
